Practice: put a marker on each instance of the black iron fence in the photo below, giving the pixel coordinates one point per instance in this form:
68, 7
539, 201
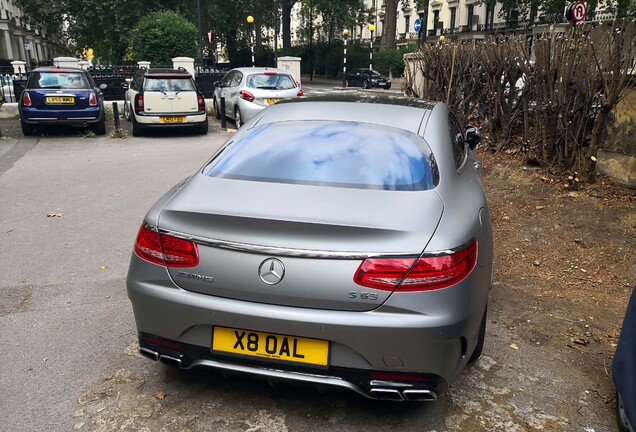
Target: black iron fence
205, 79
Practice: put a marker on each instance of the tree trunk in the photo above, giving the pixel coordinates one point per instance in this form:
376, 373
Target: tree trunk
390, 24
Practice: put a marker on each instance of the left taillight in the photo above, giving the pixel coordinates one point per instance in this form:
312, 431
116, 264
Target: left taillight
26, 99
244, 94
92, 99
417, 274
300, 93
200, 102
165, 250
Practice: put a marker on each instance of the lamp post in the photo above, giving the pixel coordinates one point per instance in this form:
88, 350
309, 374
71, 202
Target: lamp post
345, 33
250, 22
371, 29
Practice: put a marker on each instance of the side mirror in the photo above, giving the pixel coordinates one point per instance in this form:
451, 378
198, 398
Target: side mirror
218, 84
125, 86
473, 137
102, 86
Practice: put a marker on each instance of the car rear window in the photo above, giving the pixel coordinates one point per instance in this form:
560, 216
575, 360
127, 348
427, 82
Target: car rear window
339, 154
58, 80
166, 84
271, 81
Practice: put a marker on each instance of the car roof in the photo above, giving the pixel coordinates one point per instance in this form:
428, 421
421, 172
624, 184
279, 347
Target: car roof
165, 71
58, 69
253, 70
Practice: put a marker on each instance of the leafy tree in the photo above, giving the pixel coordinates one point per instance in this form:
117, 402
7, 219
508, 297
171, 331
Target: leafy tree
163, 35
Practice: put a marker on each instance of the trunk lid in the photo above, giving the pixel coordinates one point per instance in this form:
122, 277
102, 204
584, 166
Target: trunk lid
318, 234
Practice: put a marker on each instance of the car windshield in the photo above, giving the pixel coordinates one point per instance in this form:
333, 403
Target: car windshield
168, 84
271, 81
58, 80
338, 154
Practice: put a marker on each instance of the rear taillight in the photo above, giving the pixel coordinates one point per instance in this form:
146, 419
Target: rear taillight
165, 250
139, 102
412, 274
244, 94
92, 99
200, 102
26, 99
300, 93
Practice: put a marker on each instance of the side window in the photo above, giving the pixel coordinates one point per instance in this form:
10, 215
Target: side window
227, 79
457, 140
236, 79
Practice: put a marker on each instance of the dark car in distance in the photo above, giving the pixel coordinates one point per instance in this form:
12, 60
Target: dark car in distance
62, 96
367, 78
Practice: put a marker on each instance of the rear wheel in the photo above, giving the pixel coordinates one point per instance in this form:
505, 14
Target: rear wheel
137, 129
100, 128
480, 341
217, 111
126, 111
203, 127
27, 129
237, 118
621, 416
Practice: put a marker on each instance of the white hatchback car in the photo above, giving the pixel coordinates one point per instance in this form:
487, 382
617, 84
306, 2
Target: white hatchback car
160, 98
248, 90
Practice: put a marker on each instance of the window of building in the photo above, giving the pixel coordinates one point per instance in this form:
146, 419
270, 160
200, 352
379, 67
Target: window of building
453, 17
471, 12
407, 23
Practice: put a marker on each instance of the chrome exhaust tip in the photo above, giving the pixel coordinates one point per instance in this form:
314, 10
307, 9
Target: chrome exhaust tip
420, 395
170, 361
387, 394
152, 355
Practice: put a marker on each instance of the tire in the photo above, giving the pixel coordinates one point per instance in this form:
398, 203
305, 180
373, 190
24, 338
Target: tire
480, 340
237, 118
621, 416
27, 129
388, 86
137, 129
217, 111
203, 127
365, 84
126, 111
100, 128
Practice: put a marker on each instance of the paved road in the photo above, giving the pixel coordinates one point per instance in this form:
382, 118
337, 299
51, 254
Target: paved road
68, 352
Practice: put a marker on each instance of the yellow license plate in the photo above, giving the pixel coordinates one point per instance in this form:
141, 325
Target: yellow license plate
60, 99
172, 119
271, 101
272, 346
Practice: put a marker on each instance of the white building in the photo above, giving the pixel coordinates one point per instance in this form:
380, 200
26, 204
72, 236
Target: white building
16, 36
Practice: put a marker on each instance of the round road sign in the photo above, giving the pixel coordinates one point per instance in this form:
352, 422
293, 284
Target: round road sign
417, 25
579, 10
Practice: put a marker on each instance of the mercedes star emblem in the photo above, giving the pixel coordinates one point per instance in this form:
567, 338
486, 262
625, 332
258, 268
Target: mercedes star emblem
271, 271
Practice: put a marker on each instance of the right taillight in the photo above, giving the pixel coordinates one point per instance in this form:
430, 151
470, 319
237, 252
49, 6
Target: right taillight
139, 102
165, 250
417, 274
26, 99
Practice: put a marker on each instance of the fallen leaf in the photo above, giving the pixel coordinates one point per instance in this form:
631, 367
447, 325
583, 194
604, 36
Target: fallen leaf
55, 215
103, 266
539, 207
514, 346
160, 395
78, 426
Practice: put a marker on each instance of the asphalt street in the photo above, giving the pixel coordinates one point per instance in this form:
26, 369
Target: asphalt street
70, 208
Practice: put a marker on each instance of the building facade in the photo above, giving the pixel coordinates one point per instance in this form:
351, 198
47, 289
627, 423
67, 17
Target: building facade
20, 40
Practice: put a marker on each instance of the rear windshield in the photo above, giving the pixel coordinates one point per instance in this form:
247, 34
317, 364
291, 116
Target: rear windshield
165, 84
58, 80
339, 154
271, 82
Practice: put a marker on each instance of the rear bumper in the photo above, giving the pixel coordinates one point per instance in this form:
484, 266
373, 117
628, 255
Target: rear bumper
386, 339
81, 117
154, 120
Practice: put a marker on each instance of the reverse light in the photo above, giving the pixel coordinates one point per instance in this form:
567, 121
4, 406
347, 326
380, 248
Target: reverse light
139, 102
165, 250
413, 274
244, 94
92, 99
26, 99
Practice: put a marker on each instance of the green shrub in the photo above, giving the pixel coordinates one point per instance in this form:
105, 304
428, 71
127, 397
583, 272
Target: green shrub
161, 36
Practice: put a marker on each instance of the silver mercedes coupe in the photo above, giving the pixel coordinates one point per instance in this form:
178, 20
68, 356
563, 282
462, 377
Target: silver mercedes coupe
342, 240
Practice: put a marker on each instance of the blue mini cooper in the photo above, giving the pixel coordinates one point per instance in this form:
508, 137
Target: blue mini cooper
62, 96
